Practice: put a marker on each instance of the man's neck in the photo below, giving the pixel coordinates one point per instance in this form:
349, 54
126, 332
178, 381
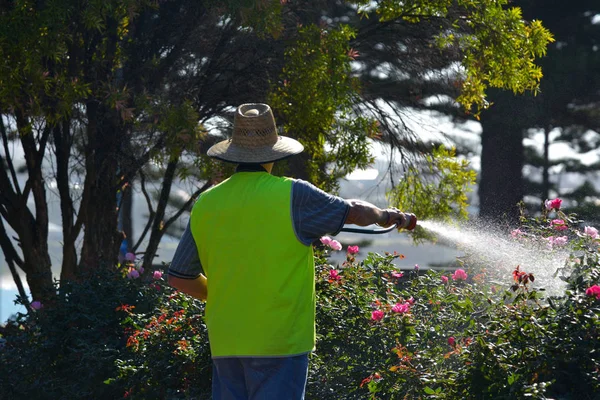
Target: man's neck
250, 168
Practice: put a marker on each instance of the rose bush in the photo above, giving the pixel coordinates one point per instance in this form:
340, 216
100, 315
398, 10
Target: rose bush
385, 330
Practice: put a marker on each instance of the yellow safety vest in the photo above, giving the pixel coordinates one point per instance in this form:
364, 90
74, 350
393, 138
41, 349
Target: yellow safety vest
261, 283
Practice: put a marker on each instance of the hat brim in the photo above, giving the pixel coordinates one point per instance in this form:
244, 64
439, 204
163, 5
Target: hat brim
226, 150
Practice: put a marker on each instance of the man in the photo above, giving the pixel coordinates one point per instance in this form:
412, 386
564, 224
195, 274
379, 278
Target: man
248, 252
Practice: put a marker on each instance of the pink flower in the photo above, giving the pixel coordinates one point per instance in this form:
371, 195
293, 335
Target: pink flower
326, 240
556, 241
377, 315
444, 279
559, 224
451, 341
411, 301
335, 245
401, 308
591, 232
130, 257
397, 274
459, 275
157, 275
417, 267
352, 249
516, 233
334, 275
133, 274
593, 291
36, 305
553, 204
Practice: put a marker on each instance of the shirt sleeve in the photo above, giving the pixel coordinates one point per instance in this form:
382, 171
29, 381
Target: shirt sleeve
186, 262
316, 213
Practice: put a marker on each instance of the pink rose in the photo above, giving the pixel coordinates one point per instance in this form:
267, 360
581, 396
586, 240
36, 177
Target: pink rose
444, 279
401, 308
556, 241
516, 233
559, 224
377, 315
397, 274
593, 291
451, 341
352, 249
334, 275
326, 240
130, 257
335, 245
553, 204
459, 275
36, 305
591, 232
157, 275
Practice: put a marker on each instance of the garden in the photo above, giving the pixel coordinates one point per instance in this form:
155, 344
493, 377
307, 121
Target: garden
386, 329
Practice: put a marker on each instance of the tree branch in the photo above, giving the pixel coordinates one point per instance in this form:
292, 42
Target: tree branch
9, 162
150, 210
188, 203
8, 248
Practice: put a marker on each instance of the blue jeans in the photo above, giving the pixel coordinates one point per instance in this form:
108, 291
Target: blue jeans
253, 378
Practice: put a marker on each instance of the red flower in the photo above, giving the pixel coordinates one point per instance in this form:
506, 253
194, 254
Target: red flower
593, 291
459, 275
377, 315
334, 275
353, 249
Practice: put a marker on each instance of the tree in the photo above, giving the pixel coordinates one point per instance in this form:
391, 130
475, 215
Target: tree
103, 87
566, 101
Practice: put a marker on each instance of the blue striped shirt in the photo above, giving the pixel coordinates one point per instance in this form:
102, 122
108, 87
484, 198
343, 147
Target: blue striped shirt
314, 213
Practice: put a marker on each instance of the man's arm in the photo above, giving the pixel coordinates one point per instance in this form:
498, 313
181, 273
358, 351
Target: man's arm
363, 213
316, 213
194, 287
185, 271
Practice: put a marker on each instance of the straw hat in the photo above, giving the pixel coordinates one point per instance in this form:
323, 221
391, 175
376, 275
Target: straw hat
254, 138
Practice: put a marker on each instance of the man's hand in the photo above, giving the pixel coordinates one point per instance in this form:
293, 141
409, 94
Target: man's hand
197, 288
394, 217
363, 213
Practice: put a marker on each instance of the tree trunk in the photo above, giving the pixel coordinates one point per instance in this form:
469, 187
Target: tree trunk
33, 230
125, 210
502, 157
546, 166
101, 239
63, 143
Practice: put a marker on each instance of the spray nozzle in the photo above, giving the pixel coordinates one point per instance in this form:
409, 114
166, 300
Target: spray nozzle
410, 222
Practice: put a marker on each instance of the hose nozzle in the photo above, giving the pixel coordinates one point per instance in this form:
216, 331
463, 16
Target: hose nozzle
410, 222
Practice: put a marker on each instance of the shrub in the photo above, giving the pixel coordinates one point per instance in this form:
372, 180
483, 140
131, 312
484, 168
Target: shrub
382, 333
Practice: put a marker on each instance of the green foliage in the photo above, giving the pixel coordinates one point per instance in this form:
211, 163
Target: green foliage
380, 334
69, 347
499, 47
439, 191
314, 100
168, 354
